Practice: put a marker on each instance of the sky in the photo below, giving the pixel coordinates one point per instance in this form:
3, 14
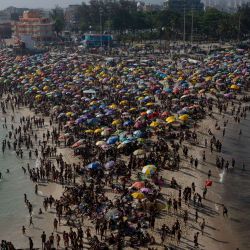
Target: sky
46, 4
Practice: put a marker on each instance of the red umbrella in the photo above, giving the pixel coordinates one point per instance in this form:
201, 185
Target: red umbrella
208, 183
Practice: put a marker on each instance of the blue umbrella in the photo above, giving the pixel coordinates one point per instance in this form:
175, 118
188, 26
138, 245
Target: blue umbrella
112, 140
94, 165
128, 123
138, 133
80, 120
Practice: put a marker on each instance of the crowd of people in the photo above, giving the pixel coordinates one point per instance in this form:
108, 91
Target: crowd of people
129, 121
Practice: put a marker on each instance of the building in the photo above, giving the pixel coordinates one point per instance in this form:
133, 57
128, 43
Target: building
5, 25
225, 5
147, 7
14, 12
72, 17
180, 5
33, 25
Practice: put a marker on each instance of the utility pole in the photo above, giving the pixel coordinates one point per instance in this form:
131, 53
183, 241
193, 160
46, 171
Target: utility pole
109, 29
192, 26
184, 24
100, 12
239, 27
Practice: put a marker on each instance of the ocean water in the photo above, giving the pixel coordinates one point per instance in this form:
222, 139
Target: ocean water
13, 212
236, 188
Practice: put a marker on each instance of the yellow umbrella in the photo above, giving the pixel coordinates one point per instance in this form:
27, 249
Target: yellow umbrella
122, 145
138, 195
69, 113
89, 131
208, 78
38, 97
140, 98
184, 117
170, 119
149, 169
132, 109
235, 87
113, 106
116, 122
45, 88
93, 103
150, 104
154, 124
98, 130
124, 102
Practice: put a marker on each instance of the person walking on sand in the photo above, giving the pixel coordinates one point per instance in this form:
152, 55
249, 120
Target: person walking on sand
31, 243
196, 244
23, 230
196, 215
43, 237
58, 239
209, 174
55, 224
203, 226
31, 221
196, 162
225, 211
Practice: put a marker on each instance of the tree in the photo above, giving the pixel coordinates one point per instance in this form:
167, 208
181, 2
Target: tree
57, 15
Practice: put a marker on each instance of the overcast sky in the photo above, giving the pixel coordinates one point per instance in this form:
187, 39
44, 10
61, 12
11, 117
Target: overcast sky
46, 4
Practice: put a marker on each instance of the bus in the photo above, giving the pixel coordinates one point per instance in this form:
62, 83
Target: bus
97, 40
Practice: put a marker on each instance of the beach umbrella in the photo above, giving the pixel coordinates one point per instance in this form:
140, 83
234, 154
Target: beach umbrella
208, 183
124, 102
138, 184
150, 104
171, 119
149, 169
89, 131
77, 144
139, 152
116, 122
98, 130
145, 190
128, 123
94, 165
184, 117
112, 140
138, 133
109, 164
100, 143
154, 124
105, 132
69, 114
113, 106
137, 195
234, 87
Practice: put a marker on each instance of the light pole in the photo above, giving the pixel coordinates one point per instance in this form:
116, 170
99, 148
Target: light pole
239, 27
192, 27
184, 24
109, 29
100, 12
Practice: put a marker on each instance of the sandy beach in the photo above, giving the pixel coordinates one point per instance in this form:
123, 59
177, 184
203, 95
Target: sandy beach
218, 232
